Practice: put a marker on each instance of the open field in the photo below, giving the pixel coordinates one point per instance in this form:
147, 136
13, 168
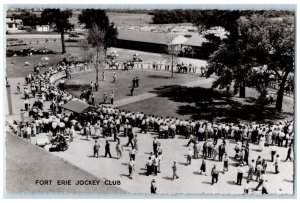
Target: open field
129, 18
149, 80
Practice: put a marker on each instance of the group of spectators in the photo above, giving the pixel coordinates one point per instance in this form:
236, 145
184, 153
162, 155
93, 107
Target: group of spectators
106, 121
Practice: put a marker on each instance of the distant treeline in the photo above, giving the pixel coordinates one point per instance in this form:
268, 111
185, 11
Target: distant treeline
190, 15
133, 11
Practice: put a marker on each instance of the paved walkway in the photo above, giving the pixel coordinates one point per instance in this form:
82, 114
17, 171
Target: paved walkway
18, 99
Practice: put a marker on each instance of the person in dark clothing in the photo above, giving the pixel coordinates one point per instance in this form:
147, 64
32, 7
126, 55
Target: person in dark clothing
107, 149
289, 152
131, 90
130, 137
137, 81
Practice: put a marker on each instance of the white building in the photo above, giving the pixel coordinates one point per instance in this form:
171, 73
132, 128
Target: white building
12, 24
42, 28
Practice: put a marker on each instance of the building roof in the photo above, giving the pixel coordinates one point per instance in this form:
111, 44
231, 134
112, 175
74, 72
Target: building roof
196, 40
76, 106
150, 37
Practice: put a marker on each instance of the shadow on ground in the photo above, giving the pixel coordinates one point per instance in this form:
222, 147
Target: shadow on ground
209, 104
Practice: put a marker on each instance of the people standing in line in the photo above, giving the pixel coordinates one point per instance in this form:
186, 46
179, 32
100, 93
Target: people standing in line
174, 169
96, 149
107, 149
149, 166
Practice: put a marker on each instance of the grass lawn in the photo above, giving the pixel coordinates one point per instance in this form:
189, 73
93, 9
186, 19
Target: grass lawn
207, 104
149, 80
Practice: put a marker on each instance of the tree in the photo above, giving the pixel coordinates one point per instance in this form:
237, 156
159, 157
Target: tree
29, 19
171, 53
60, 21
228, 61
271, 43
89, 17
97, 51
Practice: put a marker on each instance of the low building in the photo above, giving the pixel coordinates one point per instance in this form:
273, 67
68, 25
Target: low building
148, 41
187, 46
12, 24
42, 28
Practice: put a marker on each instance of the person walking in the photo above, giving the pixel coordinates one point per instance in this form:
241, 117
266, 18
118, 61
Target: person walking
119, 150
189, 157
203, 168
174, 169
273, 152
131, 168
96, 149
132, 153
289, 153
107, 149
149, 166
240, 174
153, 188
214, 174
131, 90
247, 187
225, 165
276, 164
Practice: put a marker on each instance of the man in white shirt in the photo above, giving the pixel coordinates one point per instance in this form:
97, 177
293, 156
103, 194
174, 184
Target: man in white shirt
240, 173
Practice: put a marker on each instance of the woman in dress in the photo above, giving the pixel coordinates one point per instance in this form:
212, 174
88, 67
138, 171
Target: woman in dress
97, 130
262, 142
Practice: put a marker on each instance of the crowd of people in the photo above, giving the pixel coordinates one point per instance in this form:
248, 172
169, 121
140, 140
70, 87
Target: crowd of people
106, 121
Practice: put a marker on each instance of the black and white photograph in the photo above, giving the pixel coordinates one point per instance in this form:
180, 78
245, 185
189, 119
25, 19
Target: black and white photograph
155, 100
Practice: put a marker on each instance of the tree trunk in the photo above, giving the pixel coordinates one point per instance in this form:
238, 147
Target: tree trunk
280, 92
62, 37
242, 91
97, 75
172, 67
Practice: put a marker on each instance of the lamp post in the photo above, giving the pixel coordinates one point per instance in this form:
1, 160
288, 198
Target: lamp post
10, 111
